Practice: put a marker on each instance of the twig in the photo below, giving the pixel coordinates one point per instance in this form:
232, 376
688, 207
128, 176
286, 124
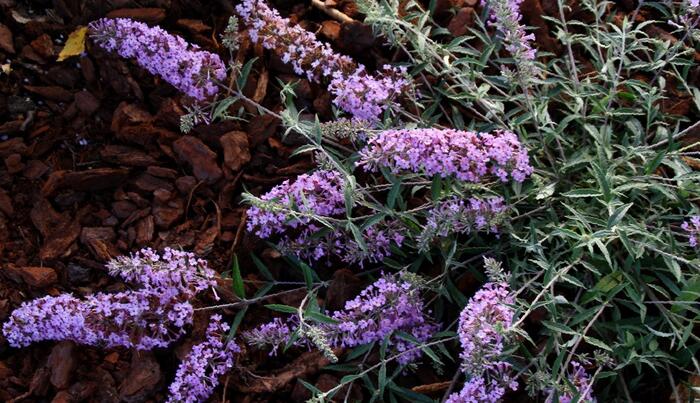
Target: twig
677, 136
332, 12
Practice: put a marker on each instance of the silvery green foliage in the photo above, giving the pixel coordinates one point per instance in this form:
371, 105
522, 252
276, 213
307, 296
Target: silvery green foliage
594, 237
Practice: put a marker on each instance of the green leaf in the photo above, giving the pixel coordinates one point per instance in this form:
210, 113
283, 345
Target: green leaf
319, 317
596, 342
558, 327
393, 194
690, 293
609, 282
238, 286
436, 187
237, 322
348, 193
582, 193
410, 395
262, 268
308, 275
243, 75
654, 163
618, 214
282, 308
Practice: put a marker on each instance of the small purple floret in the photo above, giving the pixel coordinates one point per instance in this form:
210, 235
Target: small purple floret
692, 227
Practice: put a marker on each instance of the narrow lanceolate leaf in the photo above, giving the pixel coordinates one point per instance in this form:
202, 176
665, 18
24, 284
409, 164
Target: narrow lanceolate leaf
281, 308
238, 286
583, 193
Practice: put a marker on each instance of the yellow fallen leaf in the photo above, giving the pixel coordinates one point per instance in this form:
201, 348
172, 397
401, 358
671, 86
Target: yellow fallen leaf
75, 44
5, 68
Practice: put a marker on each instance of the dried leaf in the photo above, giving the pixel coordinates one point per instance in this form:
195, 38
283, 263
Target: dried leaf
75, 45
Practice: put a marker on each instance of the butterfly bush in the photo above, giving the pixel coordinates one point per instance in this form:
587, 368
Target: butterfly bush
183, 65
390, 305
456, 215
583, 387
468, 156
151, 316
482, 325
199, 373
692, 227
505, 15
289, 209
354, 90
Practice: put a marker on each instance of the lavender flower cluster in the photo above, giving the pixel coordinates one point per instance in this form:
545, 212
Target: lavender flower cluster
479, 389
692, 227
390, 305
505, 15
152, 316
187, 68
174, 270
469, 156
132, 319
319, 193
288, 210
482, 325
355, 91
583, 387
315, 243
199, 373
455, 216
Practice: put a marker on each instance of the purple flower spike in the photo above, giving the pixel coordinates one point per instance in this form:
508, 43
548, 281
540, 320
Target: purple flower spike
391, 304
174, 270
319, 193
355, 91
139, 319
692, 227
468, 156
459, 216
480, 390
481, 327
582, 384
187, 68
154, 315
199, 373
387, 306
505, 15
481, 333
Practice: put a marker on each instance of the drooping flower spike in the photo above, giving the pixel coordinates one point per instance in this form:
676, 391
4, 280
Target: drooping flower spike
456, 215
582, 386
354, 90
505, 15
482, 327
183, 65
390, 305
288, 210
198, 374
153, 315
